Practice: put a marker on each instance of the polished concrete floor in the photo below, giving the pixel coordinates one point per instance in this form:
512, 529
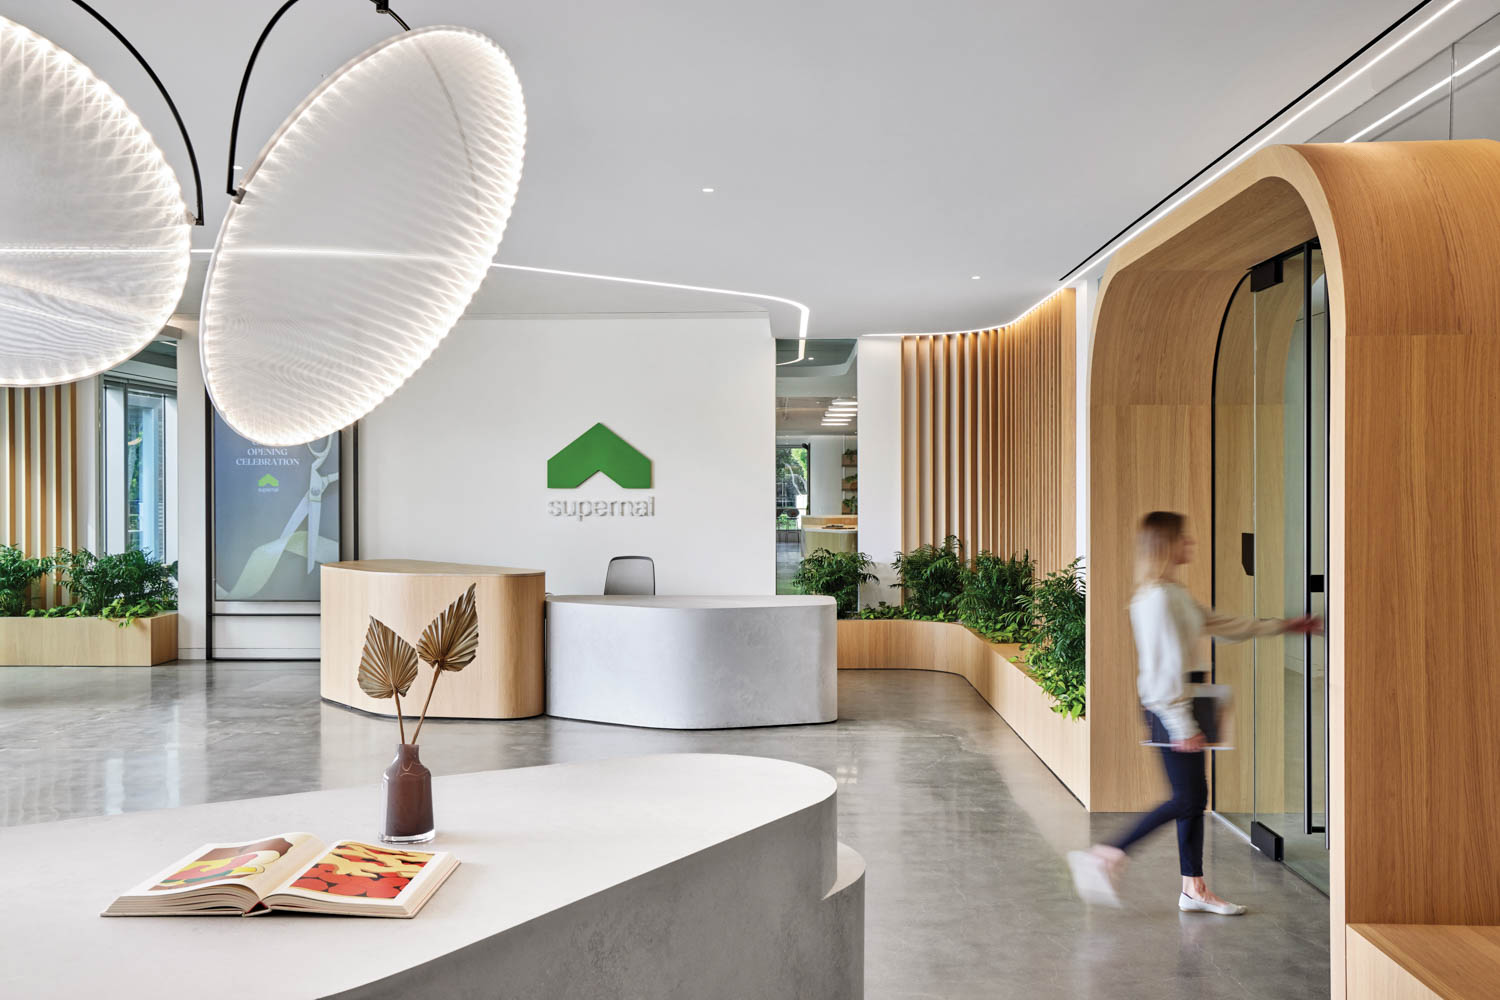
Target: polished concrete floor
788, 557
963, 829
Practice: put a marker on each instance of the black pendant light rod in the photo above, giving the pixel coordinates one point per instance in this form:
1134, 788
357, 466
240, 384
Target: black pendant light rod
187, 140
381, 7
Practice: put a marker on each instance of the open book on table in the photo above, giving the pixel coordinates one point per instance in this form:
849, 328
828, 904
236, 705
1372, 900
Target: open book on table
290, 871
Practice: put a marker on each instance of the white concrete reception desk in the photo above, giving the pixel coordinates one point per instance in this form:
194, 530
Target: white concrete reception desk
692, 662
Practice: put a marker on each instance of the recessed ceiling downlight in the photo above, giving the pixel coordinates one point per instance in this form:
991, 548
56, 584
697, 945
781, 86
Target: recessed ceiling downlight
93, 227
367, 224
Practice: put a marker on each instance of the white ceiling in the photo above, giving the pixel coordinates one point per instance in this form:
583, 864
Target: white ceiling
867, 157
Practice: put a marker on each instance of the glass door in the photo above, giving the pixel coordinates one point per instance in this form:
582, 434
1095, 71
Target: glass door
1270, 553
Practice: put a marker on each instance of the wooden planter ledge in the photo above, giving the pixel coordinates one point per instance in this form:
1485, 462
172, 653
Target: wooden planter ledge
87, 642
949, 647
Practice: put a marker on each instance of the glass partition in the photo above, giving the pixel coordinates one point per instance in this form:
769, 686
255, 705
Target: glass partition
1270, 545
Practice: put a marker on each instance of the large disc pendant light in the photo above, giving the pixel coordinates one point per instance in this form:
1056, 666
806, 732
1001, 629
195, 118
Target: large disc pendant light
365, 228
93, 227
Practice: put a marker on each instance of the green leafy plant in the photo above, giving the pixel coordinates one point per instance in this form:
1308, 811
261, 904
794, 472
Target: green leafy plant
17, 574
887, 612
834, 574
1056, 656
932, 576
996, 599
121, 587
786, 522
851, 505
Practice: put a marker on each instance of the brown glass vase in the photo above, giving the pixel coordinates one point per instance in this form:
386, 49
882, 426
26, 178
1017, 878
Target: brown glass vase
408, 799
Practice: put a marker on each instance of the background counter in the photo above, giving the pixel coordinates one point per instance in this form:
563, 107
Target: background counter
692, 662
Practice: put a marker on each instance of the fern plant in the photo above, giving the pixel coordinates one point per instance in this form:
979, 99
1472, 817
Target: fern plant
996, 599
834, 574
121, 587
1056, 656
17, 574
932, 576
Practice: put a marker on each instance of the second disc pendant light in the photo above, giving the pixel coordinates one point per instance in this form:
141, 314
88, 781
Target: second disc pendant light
366, 226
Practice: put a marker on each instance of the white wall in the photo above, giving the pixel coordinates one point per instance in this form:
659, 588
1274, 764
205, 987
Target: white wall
880, 460
826, 453
454, 465
192, 558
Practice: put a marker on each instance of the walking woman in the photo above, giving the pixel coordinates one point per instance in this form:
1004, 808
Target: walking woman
1167, 623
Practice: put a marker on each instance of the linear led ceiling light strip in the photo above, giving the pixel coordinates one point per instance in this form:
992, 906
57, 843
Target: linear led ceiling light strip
1445, 83
94, 231
1265, 140
1159, 212
840, 413
361, 232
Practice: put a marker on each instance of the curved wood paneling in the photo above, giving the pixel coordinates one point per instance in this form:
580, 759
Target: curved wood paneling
988, 437
505, 681
1410, 233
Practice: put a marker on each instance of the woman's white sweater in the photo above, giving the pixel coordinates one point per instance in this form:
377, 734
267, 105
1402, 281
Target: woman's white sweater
1167, 622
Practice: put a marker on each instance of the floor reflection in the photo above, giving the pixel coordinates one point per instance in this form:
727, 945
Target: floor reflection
962, 827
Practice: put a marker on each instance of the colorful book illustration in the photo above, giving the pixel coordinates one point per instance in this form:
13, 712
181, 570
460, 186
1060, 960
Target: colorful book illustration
290, 872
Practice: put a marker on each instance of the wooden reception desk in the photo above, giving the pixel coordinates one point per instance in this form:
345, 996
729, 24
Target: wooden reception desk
505, 680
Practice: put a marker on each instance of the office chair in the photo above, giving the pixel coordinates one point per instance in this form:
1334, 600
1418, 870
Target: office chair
630, 575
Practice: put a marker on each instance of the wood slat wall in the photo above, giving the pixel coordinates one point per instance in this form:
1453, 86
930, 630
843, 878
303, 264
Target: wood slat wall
39, 473
987, 445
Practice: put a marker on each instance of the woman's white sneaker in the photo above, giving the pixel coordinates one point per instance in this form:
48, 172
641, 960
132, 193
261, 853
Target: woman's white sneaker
1093, 878
1188, 904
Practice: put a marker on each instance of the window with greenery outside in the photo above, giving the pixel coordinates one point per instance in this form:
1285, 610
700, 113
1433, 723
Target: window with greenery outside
792, 477
834, 574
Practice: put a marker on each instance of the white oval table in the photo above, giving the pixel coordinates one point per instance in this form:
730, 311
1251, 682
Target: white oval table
693, 662
669, 876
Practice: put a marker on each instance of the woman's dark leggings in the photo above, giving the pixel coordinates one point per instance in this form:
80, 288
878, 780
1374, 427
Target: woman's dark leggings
1188, 775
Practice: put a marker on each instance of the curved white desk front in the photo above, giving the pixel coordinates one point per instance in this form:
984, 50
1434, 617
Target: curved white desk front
692, 662
688, 875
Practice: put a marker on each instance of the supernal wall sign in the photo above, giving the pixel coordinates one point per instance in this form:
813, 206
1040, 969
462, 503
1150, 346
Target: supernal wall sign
597, 451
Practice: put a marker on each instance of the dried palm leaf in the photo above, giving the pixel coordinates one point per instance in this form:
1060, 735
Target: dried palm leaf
388, 665
450, 642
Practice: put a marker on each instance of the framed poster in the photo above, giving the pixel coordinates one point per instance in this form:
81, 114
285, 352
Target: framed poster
276, 517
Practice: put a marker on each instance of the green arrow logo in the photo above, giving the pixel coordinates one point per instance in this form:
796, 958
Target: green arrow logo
268, 480
596, 450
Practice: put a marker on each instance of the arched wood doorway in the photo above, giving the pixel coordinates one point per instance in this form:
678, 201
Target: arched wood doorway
1410, 234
